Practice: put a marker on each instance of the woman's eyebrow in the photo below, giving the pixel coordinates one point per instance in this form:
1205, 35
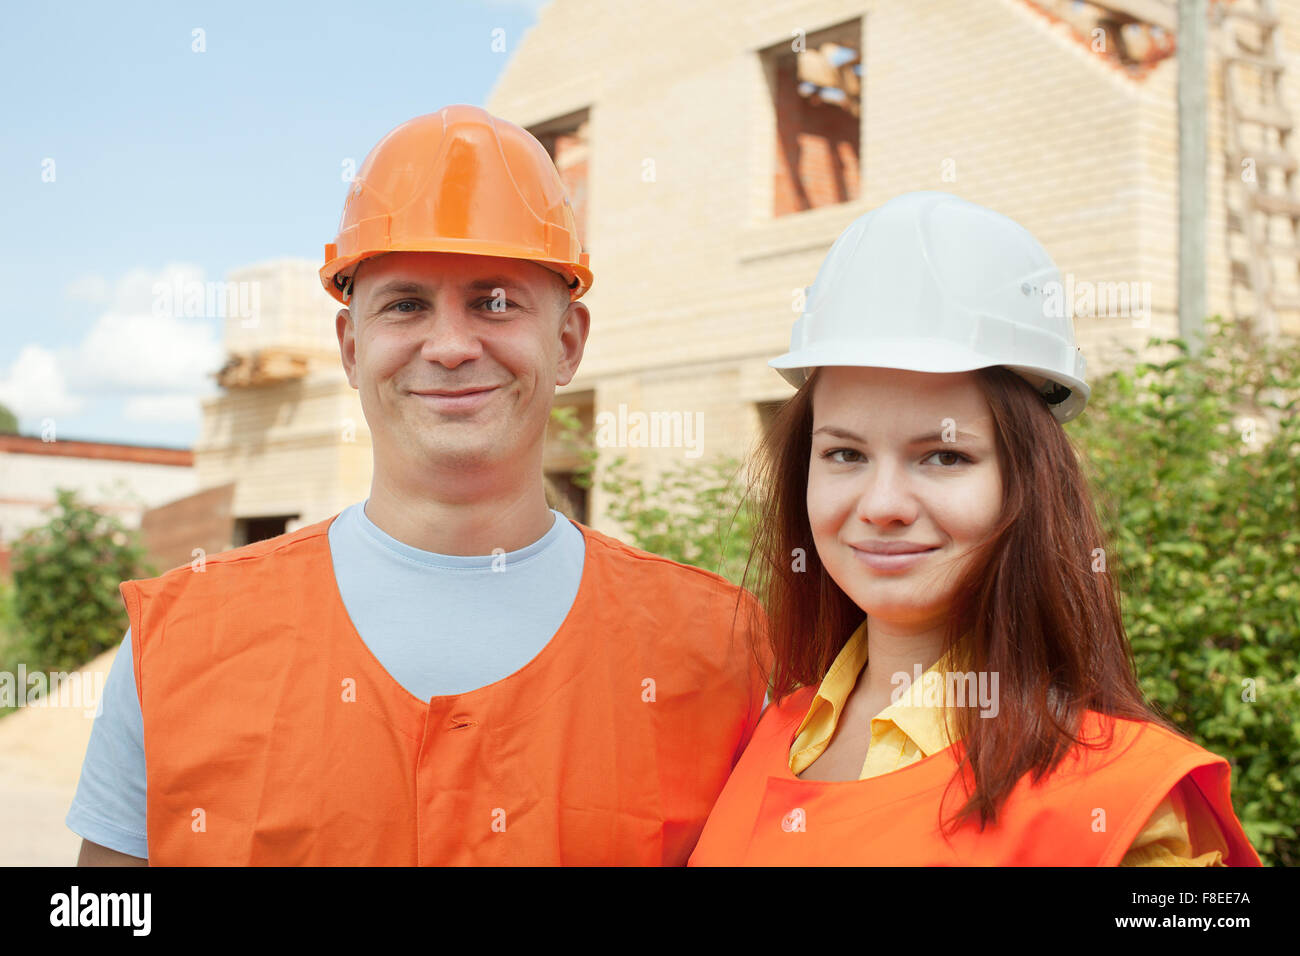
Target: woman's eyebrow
939, 437
836, 432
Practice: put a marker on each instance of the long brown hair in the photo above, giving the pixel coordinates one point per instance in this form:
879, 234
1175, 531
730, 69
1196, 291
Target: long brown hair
1039, 615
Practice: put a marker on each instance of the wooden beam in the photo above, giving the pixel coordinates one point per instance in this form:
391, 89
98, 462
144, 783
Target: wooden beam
1163, 15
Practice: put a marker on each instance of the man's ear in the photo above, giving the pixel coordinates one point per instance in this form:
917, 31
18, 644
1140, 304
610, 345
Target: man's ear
574, 326
347, 344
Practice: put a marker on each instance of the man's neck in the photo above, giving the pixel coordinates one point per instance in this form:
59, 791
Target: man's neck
508, 520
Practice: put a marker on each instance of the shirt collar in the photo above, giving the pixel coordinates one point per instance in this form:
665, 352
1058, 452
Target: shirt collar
919, 712
840, 679
919, 721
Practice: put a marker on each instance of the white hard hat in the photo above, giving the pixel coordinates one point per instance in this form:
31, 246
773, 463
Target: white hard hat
933, 283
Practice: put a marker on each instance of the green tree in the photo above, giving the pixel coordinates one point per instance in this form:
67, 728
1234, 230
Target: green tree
8, 422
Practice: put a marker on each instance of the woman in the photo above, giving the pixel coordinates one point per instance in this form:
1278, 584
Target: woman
952, 682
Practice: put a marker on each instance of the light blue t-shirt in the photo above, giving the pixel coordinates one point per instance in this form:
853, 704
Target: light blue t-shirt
440, 624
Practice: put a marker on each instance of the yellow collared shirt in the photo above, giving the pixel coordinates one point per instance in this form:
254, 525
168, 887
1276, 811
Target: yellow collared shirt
909, 730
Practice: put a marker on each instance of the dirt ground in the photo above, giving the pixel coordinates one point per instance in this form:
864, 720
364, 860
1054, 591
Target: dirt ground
41, 750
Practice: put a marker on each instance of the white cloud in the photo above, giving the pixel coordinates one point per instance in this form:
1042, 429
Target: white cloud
142, 352
131, 348
161, 363
34, 386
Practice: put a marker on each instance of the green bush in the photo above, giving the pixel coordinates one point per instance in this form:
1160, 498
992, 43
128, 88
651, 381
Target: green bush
66, 574
1204, 532
15, 645
696, 514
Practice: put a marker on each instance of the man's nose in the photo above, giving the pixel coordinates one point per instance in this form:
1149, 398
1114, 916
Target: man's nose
886, 493
451, 335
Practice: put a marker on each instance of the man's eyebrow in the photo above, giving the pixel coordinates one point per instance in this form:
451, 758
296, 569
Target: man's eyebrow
836, 432
498, 282
400, 285
410, 287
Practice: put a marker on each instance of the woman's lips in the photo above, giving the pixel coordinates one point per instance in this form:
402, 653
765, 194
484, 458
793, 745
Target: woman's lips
891, 562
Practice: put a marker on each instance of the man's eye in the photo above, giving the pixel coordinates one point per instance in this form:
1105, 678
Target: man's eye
411, 302
493, 304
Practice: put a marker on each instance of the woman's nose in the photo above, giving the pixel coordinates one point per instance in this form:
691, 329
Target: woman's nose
885, 494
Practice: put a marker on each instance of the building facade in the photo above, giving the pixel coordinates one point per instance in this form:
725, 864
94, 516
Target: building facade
725, 146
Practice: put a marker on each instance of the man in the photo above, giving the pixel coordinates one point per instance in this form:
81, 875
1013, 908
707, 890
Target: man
449, 672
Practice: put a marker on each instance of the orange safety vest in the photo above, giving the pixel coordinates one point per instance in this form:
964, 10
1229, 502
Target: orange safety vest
1086, 812
273, 736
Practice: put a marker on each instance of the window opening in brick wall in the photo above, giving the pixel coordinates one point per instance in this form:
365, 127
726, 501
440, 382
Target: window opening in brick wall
567, 497
251, 530
816, 86
562, 459
1134, 35
566, 141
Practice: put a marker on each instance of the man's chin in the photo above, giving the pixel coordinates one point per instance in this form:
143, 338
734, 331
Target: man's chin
466, 456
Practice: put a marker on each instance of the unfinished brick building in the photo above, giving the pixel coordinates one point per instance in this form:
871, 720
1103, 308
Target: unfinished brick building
716, 151
712, 154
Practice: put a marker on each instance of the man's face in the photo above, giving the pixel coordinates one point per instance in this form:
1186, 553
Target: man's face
456, 357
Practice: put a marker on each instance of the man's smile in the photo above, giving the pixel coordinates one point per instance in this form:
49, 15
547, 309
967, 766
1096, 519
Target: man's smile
457, 400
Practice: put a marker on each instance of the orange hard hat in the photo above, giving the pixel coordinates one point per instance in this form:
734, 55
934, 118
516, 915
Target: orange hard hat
458, 180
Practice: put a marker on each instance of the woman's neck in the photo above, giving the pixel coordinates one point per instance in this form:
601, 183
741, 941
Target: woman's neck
894, 648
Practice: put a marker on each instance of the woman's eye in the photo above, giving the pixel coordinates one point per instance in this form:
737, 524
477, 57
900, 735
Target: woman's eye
833, 452
956, 454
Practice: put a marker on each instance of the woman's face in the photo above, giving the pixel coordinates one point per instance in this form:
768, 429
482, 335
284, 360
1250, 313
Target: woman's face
903, 459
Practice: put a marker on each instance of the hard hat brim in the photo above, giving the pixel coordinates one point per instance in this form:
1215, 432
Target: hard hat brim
932, 356
346, 265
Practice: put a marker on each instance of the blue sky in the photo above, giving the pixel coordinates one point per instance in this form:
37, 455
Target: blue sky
168, 161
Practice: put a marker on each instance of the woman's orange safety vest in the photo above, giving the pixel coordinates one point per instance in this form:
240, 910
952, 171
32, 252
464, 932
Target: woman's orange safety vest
272, 734
1086, 812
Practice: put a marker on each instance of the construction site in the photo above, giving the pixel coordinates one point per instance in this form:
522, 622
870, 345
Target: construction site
712, 154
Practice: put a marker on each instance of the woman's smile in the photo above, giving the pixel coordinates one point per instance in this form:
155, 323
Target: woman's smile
891, 563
